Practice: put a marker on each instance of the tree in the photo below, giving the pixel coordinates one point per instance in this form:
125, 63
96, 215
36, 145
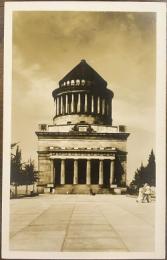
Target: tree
16, 173
30, 174
21, 173
145, 174
151, 170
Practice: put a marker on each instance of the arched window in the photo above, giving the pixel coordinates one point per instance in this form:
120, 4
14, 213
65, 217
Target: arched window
68, 83
72, 82
77, 82
64, 83
82, 82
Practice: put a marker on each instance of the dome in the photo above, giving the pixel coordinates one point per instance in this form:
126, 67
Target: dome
82, 96
83, 74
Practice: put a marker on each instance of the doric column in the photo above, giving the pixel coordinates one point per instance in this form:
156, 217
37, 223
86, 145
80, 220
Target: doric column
62, 175
98, 105
92, 106
107, 109
72, 103
79, 103
57, 105
66, 111
100, 171
103, 106
75, 180
110, 107
61, 105
86, 102
111, 172
88, 178
51, 172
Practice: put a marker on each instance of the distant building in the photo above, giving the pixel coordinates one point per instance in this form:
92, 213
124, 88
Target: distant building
82, 149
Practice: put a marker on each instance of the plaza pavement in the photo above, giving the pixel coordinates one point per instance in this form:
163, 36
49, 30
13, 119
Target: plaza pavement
81, 223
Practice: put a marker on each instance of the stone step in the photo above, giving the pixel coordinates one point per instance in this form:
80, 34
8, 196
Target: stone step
81, 189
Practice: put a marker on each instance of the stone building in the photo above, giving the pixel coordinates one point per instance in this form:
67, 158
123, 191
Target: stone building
82, 150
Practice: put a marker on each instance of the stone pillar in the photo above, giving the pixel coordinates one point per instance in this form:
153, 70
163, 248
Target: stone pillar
88, 178
62, 175
107, 109
57, 105
103, 106
92, 106
100, 172
75, 180
79, 103
111, 172
86, 102
98, 105
51, 172
54, 174
72, 103
66, 111
61, 105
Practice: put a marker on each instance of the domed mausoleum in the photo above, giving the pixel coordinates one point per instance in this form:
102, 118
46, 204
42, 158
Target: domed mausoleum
82, 150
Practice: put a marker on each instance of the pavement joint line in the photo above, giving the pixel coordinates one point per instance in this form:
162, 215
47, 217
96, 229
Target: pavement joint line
147, 222
29, 224
117, 233
130, 211
67, 228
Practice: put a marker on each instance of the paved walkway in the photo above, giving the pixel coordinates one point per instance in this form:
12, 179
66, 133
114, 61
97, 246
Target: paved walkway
81, 223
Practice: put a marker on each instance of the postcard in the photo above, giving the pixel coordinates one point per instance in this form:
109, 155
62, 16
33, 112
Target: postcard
84, 130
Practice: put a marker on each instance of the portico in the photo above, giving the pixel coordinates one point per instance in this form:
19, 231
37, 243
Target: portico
81, 170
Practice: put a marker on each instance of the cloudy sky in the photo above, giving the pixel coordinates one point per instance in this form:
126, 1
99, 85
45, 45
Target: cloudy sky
119, 46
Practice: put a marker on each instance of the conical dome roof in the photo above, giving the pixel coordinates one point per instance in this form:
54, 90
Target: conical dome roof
83, 71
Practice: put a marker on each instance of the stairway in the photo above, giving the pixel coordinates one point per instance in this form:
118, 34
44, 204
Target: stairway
81, 189
64, 189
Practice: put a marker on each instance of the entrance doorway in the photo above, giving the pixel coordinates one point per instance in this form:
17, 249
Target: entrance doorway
69, 171
82, 171
94, 171
57, 166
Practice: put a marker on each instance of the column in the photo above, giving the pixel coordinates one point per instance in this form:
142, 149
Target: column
66, 111
111, 172
62, 175
92, 106
107, 109
86, 102
88, 165
110, 107
79, 103
103, 106
51, 172
100, 172
75, 180
98, 105
61, 105
55, 107
72, 103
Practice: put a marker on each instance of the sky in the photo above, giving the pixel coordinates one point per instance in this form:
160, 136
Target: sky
120, 46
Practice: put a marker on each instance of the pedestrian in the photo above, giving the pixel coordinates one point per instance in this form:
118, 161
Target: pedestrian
147, 193
140, 195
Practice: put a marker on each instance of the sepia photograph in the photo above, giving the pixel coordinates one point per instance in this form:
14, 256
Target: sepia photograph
84, 130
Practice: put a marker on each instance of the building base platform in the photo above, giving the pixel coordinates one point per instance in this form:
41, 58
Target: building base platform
82, 189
